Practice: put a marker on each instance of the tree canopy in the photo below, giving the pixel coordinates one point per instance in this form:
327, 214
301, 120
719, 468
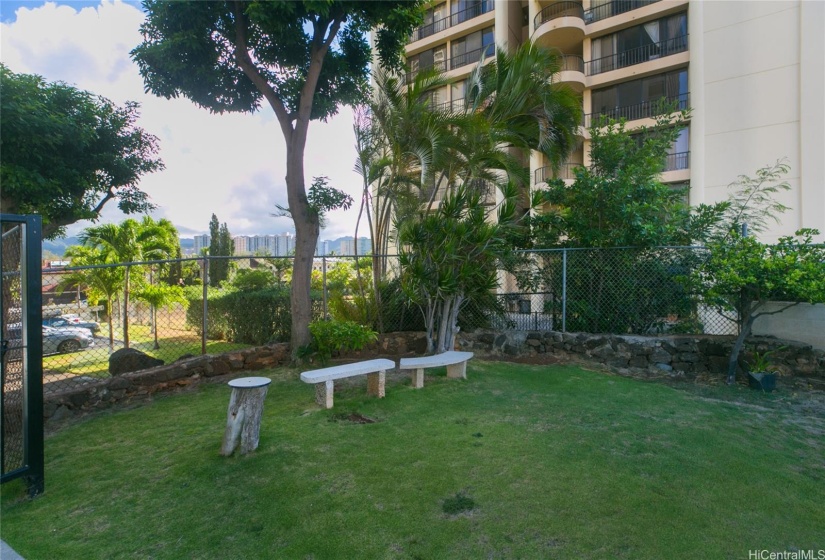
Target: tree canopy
305, 59
65, 152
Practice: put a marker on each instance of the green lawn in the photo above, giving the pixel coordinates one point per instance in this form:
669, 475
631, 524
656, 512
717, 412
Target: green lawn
556, 462
173, 344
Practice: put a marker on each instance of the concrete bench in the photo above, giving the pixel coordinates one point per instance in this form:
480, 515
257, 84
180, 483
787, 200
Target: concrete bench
324, 378
456, 363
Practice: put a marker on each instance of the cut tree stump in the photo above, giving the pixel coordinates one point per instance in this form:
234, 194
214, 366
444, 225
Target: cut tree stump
243, 419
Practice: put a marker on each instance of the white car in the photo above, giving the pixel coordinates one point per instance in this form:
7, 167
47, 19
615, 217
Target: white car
56, 340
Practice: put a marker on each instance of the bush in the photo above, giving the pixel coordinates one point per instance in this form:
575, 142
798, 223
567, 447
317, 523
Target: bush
249, 317
332, 337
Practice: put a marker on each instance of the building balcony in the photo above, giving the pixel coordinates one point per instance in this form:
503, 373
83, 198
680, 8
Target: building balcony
572, 72
454, 106
638, 55
452, 20
471, 57
566, 172
614, 8
441, 66
677, 162
560, 25
644, 110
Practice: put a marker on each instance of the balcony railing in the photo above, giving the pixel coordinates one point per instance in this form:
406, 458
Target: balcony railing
453, 19
471, 57
675, 162
441, 66
454, 106
572, 63
637, 55
643, 110
566, 171
614, 8
557, 10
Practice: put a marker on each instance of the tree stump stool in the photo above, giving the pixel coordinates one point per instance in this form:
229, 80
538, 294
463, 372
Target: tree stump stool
243, 420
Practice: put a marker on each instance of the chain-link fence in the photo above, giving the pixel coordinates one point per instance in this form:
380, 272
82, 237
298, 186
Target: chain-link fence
163, 308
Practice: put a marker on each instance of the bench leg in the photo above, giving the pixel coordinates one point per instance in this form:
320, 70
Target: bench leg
323, 393
418, 378
457, 370
376, 383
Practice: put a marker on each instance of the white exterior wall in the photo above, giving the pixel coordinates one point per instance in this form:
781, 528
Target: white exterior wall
803, 322
758, 85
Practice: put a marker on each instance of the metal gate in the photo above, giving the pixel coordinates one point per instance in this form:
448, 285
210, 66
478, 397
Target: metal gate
21, 367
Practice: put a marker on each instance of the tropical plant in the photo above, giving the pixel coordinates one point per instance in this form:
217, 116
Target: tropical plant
128, 242
448, 258
302, 58
159, 296
102, 282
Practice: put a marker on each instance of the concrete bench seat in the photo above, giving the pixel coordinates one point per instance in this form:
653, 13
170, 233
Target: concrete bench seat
375, 370
456, 363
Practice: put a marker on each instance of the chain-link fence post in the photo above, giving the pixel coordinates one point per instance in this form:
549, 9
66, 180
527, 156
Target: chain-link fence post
564, 290
204, 321
324, 275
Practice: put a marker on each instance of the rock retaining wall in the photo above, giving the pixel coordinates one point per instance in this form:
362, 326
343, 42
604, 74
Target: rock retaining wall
90, 394
681, 356
678, 356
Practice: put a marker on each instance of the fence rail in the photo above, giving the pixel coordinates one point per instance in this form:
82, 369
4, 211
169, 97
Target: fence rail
589, 290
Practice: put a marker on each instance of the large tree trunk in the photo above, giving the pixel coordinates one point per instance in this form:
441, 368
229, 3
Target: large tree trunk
307, 230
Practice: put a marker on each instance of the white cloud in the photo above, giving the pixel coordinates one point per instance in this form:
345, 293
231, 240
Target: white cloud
231, 164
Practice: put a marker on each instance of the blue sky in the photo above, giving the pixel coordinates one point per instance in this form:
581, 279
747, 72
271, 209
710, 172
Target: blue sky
231, 164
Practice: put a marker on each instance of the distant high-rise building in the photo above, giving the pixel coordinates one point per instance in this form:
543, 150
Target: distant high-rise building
347, 247
201, 242
241, 244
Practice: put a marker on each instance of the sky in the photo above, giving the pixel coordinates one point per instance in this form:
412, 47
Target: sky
232, 165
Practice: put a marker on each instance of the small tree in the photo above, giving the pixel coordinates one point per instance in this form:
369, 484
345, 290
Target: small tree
101, 282
742, 275
160, 296
448, 258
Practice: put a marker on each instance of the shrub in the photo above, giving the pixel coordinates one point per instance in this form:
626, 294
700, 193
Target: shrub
332, 337
250, 317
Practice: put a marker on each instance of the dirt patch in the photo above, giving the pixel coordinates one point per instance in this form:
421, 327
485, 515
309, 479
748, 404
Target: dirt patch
352, 418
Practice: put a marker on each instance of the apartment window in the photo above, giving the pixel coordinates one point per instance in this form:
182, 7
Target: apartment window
469, 48
678, 155
634, 45
427, 59
463, 10
638, 99
435, 20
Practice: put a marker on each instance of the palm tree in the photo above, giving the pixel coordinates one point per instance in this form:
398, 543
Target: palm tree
128, 242
105, 281
157, 296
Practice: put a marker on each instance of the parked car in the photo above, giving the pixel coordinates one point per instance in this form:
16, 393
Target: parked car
71, 321
55, 340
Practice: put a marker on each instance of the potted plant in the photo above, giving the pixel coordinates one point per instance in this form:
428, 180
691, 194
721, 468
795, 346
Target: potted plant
761, 375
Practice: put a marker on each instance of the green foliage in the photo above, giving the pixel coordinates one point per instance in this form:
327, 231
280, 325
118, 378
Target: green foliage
161, 295
741, 275
449, 257
250, 280
220, 245
331, 337
251, 317
189, 49
619, 200
67, 152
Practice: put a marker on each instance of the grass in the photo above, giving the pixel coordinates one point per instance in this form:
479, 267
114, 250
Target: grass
516, 462
174, 343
